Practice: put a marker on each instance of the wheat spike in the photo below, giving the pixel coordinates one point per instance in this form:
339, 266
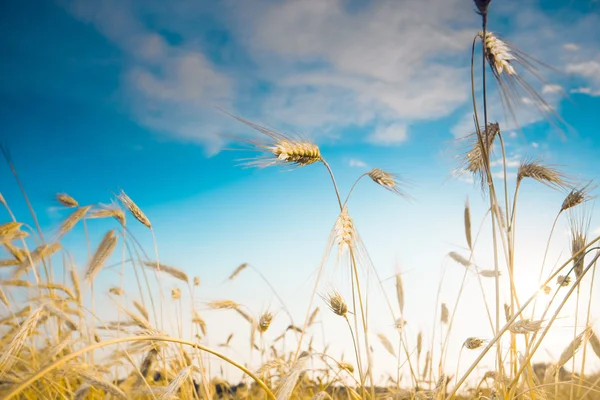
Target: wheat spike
223, 305
473, 343
499, 54
473, 159
10, 354
109, 211
336, 303
141, 309
467, 222
563, 280
460, 259
134, 209
285, 148
526, 326
313, 316
291, 378
265, 321
387, 345
594, 342
117, 291
200, 322
546, 175
104, 250
174, 272
387, 180
445, 314
571, 349
576, 197
179, 380
400, 293
237, 271
66, 200
419, 344
103, 384
72, 220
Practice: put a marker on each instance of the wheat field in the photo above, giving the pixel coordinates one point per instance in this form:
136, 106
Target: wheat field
59, 340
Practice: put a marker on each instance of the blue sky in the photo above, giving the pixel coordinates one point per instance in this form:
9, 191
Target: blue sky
101, 95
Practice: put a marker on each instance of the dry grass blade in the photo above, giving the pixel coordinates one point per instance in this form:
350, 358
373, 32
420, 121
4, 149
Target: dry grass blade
400, 293
546, 175
174, 272
322, 395
419, 344
237, 271
467, 222
104, 250
134, 209
82, 392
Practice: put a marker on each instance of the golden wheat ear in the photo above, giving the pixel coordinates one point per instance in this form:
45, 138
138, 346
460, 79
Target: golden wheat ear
507, 62
280, 148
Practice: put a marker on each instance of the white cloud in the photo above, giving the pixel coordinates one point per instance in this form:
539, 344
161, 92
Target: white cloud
535, 145
552, 89
389, 135
589, 72
388, 61
168, 88
355, 162
570, 47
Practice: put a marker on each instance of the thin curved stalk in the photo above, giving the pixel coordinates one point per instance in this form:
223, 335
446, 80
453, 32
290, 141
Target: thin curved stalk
40, 374
352, 188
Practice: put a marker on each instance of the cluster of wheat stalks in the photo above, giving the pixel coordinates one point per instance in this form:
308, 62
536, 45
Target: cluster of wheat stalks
54, 345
